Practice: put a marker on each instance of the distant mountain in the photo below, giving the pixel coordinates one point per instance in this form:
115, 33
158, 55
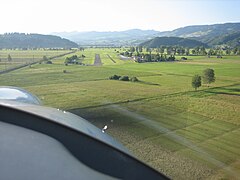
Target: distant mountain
111, 38
172, 41
231, 40
204, 33
21, 40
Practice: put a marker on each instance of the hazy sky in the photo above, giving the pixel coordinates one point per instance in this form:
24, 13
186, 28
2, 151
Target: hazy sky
46, 16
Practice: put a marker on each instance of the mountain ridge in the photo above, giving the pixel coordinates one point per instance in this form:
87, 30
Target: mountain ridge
22, 40
157, 42
134, 36
203, 33
227, 34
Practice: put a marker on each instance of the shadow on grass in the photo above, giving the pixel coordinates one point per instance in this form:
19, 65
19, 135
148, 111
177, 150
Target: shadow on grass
148, 83
228, 90
199, 93
233, 89
227, 93
174, 74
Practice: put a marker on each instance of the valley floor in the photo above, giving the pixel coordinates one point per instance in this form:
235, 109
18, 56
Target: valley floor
161, 119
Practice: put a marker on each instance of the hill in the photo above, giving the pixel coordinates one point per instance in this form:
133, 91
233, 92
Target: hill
21, 40
204, 33
110, 38
231, 40
172, 41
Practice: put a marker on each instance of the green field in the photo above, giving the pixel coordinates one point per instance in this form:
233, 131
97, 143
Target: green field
20, 57
161, 119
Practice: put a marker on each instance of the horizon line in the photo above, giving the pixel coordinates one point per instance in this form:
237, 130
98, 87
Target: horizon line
142, 29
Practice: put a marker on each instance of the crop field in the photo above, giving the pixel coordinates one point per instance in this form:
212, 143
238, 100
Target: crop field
161, 119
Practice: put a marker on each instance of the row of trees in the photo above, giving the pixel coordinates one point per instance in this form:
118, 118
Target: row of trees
123, 78
176, 50
154, 58
208, 77
216, 51
149, 57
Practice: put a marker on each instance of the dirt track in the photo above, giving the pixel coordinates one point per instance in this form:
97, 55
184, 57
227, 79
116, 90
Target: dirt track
97, 61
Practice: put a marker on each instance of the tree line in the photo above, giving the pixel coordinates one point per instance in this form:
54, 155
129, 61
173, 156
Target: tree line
168, 53
178, 50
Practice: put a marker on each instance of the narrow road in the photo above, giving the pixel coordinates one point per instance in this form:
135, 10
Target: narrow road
97, 61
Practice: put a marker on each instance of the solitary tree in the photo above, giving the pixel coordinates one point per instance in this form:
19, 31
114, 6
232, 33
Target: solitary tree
9, 58
235, 50
228, 51
137, 49
196, 81
193, 51
187, 51
132, 49
162, 49
208, 76
45, 58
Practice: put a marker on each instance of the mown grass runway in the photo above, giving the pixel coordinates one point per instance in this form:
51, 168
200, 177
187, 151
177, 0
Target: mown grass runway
161, 119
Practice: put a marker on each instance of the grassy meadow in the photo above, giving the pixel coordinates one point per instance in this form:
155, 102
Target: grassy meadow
183, 133
20, 57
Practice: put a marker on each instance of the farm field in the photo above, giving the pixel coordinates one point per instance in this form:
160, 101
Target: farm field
20, 57
183, 133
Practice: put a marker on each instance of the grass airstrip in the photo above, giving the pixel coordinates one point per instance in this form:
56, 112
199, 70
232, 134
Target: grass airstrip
161, 119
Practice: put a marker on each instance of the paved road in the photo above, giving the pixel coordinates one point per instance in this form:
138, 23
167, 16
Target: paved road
97, 61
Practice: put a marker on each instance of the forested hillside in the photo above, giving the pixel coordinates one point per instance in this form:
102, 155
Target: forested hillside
172, 41
232, 40
204, 33
22, 40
